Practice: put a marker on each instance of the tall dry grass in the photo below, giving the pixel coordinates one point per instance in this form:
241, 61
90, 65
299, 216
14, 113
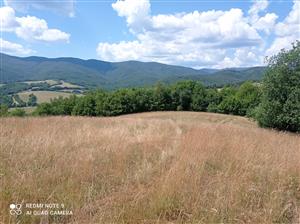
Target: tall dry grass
150, 168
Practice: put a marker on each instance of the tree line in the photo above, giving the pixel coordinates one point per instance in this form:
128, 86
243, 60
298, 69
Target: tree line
181, 96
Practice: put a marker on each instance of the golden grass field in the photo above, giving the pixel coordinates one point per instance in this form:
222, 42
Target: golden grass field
164, 167
59, 83
68, 85
43, 96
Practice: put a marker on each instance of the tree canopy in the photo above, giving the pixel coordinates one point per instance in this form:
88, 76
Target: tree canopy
181, 96
280, 106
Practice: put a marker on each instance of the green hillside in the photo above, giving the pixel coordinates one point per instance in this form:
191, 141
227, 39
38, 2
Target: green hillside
107, 75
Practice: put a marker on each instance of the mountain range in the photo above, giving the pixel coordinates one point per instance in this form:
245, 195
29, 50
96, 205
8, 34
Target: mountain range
111, 75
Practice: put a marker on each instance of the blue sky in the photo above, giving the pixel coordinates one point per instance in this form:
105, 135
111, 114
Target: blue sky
196, 33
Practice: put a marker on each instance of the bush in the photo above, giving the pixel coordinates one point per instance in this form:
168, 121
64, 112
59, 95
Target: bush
280, 106
213, 108
18, 113
230, 105
43, 109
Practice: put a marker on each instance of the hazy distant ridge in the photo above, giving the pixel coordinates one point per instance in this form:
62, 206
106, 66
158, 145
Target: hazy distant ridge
92, 73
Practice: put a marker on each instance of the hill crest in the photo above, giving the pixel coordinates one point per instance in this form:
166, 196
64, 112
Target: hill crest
111, 75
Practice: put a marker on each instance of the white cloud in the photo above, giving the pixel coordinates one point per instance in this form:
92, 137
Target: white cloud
7, 19
66, 7
264, 23
256, 8
13, 48
29, 28
290, 25
242, 57
281, 43
192, 39
136, 12
211, 27
33, 28
52, 35
287, 31
132, 50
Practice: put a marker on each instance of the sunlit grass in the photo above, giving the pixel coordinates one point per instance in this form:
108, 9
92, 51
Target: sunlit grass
176, 167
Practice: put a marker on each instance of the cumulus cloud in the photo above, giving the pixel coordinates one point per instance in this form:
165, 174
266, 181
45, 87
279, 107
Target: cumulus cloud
287, 31
7, 19
196, 39
242, 57
136, 12
290, 25
131, 49
29, 28
13, 48
66, 7
256, 8
264, 23
33, 28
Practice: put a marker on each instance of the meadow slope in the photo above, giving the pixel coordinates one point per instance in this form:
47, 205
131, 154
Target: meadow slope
164, 167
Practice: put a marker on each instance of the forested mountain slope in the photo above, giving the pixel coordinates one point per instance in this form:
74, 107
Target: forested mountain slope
109, 75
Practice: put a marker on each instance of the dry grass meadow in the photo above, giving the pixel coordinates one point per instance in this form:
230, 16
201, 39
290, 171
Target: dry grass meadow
164, 167
43, 96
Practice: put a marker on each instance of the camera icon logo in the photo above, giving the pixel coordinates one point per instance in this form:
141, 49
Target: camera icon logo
15, 209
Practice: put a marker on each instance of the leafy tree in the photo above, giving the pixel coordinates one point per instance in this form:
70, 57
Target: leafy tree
100, 97
43, 109
182, 93
213, 98
85, 106
248, 96
58, 106
229, 103
69, 104
199, 98
32, 100
144, 99
280, 106
162, 100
